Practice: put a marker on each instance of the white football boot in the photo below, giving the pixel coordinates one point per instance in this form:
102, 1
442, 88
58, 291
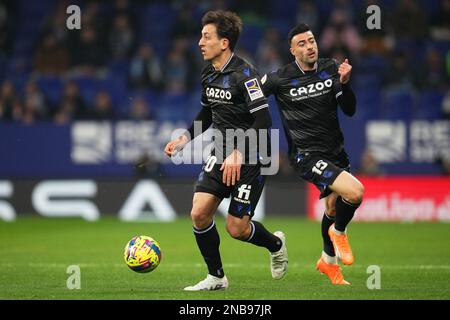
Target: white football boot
210, 283
279, 259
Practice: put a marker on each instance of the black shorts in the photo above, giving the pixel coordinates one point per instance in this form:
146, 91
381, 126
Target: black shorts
245, 193
320, 170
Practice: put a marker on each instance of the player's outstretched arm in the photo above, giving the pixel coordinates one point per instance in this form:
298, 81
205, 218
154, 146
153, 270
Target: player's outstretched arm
204, 117
176, 145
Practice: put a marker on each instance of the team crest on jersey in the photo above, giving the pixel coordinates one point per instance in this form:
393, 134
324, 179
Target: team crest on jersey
253, 89
324, 75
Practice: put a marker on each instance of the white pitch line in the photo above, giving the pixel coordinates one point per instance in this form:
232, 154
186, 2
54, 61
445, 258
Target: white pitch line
226, 265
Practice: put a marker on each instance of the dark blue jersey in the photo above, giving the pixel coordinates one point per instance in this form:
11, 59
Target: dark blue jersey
233, 94
307, 101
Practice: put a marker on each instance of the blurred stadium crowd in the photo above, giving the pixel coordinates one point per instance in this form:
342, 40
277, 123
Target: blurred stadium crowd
140, 59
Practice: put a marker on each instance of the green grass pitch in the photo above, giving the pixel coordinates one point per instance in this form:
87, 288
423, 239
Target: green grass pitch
414, 261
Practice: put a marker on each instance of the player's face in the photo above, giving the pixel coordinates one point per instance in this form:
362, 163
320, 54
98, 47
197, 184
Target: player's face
210, 44
304, 48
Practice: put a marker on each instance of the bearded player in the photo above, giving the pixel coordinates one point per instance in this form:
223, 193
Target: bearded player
308, 92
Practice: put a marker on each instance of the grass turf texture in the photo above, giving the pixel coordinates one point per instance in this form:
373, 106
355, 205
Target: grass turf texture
35, 252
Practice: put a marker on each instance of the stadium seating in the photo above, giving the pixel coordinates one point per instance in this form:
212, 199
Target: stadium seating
154, 25
397, 104
52, 87
429, 106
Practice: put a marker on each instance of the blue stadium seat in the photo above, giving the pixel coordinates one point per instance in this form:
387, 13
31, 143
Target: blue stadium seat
430, 105
390, 4
119, 67
87, 88
372, 63
368, 104
250, 37
283, 26
173, 107
3, 64
52, 87
194, 105
155, 24
150, 97
366, 82
398, 104
116, 86
19, 80
286, 9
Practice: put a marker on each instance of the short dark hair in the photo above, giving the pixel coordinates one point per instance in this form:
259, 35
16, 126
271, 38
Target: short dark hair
228, 25
300, 28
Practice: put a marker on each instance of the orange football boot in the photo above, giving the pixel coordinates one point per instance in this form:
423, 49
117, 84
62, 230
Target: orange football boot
341, 246
333, 271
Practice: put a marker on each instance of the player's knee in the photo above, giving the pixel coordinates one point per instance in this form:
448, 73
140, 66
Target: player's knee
356, 195
331, 211
237, 231
200, 217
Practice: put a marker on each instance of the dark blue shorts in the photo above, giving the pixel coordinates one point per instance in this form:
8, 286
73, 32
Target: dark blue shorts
320, 170
244, 194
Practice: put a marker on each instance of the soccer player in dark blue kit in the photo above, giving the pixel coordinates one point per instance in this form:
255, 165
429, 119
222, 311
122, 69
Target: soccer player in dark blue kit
308, 92
231, 99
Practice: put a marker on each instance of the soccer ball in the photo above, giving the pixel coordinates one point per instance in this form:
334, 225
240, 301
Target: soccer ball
142, 254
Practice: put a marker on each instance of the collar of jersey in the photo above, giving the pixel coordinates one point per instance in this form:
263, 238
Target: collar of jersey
225, 65
316, 66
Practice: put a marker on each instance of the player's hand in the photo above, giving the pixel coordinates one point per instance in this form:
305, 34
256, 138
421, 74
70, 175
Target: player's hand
345, 69
175, 145
232, 168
